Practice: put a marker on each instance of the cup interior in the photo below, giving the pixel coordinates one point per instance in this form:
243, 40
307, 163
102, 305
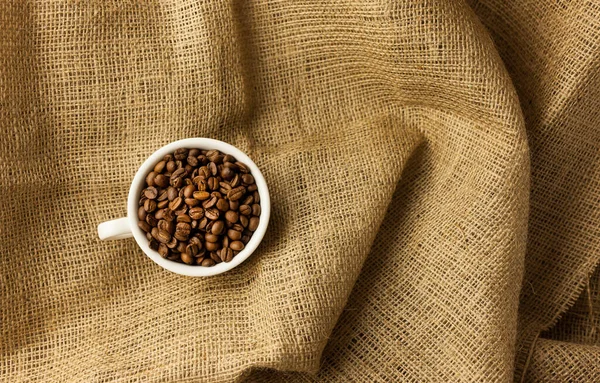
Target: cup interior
138, 185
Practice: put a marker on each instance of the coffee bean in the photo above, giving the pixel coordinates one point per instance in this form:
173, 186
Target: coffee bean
191, 202
182, 231
234, 234
247, 179
171, 167
202, 224
209, 237
163, 250
235, 181
176, 203
253, 224
162, 195
245, 239
181, 154
166, 226
225, 242
256, 210
151, 220
236, 245
150, 205
256, 197
184, 218
201, 195
159, 167
217, 228
210, 202
213, 168
231, 216
182, 210
245, 210
192, 250
207, 262
141, 213
150, 178
242, 167
211, 246
227, 173
226, 254
228, 158
212, 183
161, 181
234, 205
150, 192
188, 191
244, 220
162, 204
144, 226
168, 215
181, 247
236, 193
196, 213
172, 193
252, 188
163, 236
249, 200
192, 161
222, 204
212, 214
172, 243
186, 258
153, 244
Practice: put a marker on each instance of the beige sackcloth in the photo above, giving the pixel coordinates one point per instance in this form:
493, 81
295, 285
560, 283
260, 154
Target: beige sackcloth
434, 169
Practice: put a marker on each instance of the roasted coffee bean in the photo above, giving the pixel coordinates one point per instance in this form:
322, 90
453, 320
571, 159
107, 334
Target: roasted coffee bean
188, 191
209, 237
236, 245
213, 168
186, 258
163, 236
210, 202
209, 226
253, 224
207, 262
159, 167
148, 236
242, 167
168, 215
196, 213
252, 188
244, 220
204, 172
234, 235
235, 181
227, 173
149, 205
160, 214
202, 224
245, 210
176, 203
166, 226
162, 196
225, 242
184, 218
171, 167
234, 205
153, 244
162, 204
247, 179
249, 200
201, 195
236, 193
245, 239
150, 178
226, 254
256, 197
150, 192
228, 158
217, 227
211, 246
194, 152
181, 154
163, 250
212, 183
231, 216
141, 213
192, 161
212, 213
222, 204
188, 169
161, 181
172, 193
214, 255
172, 243
191, 202
224, 185
256, 210
182, 231
144, 226
195, 240
212, 153
181, 247
192, 250
152, 221
182, 210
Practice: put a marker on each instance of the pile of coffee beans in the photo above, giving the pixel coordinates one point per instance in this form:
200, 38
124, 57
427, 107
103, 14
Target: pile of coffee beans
199, 207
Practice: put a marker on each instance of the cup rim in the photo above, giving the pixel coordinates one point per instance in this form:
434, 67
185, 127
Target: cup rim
197, 143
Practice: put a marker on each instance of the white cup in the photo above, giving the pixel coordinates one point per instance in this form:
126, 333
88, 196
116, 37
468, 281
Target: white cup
128, 226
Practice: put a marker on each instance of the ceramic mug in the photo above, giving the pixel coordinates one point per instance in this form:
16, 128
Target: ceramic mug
128, 226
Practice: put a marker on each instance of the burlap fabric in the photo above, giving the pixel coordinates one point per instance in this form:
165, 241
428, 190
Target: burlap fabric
434, 170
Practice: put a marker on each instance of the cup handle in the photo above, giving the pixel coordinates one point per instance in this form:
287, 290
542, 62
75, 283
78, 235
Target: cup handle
115, 229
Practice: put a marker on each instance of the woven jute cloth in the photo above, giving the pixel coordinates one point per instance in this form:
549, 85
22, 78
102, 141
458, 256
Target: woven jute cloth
434, 169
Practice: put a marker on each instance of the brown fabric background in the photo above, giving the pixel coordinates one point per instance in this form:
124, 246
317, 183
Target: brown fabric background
435, 177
